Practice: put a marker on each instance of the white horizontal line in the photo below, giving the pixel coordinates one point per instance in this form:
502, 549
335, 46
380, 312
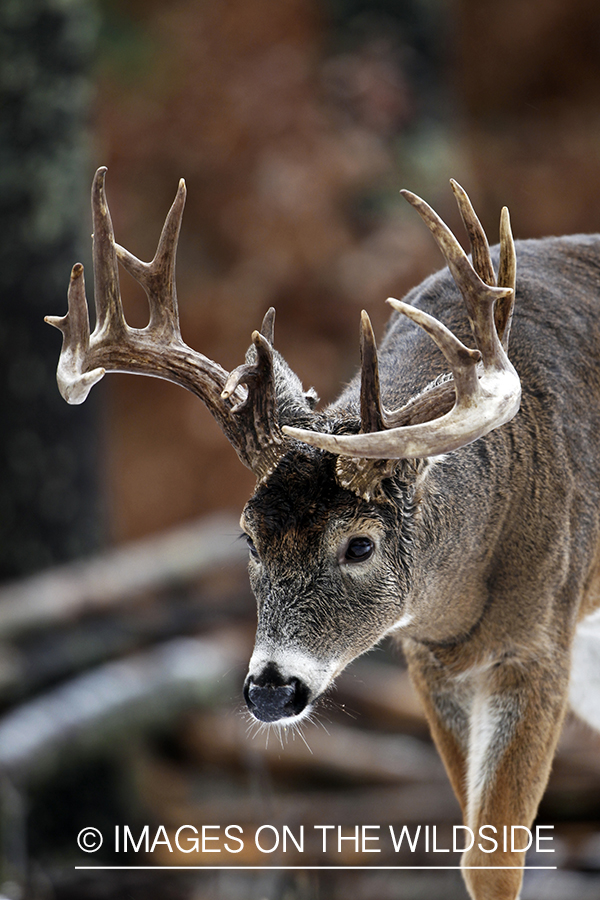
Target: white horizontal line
303, 868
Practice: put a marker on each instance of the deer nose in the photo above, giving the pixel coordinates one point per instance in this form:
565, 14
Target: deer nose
270, 698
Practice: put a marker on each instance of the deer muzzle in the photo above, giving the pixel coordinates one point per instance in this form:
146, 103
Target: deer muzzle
271, 697
283, 683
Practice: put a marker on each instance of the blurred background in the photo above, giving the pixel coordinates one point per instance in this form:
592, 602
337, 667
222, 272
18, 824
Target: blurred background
125, 617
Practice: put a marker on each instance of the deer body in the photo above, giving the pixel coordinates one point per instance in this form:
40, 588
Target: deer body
490, 556
482, 559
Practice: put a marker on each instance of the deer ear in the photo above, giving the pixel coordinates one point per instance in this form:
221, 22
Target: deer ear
294, 404
311, 397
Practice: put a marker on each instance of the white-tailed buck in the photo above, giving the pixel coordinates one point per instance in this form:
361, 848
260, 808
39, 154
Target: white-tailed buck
403, 508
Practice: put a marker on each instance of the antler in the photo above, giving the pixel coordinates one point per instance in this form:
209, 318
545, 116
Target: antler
243, 402
484, 392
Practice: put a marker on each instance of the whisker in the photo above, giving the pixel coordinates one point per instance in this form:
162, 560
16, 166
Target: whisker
322, 724
279, 730
305, 742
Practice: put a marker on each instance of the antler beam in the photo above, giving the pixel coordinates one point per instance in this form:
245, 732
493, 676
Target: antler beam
485, 390
245, 407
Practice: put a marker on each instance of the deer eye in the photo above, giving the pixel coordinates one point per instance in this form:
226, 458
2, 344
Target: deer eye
251, 547
359, 549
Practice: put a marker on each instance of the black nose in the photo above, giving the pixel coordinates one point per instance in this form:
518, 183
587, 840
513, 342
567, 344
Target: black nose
271, 698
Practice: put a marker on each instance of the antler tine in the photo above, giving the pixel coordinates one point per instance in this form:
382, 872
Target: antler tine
158, 277
507, 273
267, 329
74, 382
247, 415
480, 249
479, 297
247, 373
483, 400
257, 413
456, 258
114, 346
461, 360
107, 297
371, 411
482, 261
507, 277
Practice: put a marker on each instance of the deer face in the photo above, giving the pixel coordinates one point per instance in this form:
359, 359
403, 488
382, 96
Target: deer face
329, 575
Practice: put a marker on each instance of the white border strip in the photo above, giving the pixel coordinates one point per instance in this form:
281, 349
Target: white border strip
303, 868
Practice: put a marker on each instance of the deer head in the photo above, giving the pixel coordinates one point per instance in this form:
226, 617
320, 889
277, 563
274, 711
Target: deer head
331, 525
